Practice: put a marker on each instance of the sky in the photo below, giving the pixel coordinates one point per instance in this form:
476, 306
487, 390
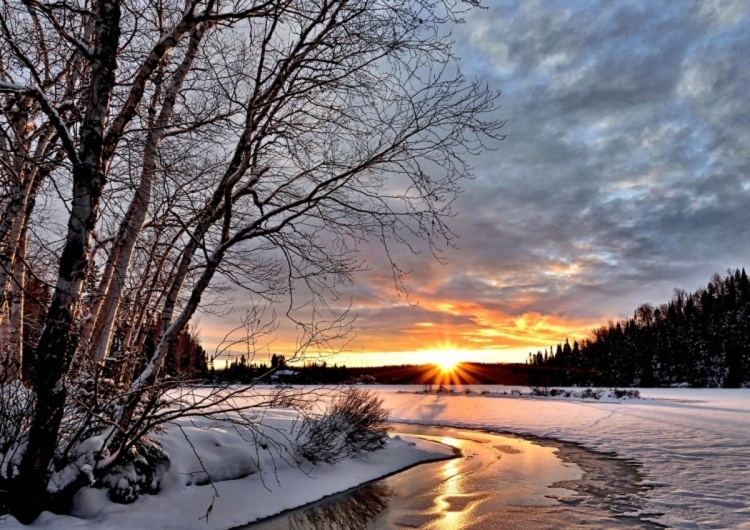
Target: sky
625, 174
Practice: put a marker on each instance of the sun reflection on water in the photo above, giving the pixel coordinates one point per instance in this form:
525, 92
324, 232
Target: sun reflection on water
454, 504
493, 472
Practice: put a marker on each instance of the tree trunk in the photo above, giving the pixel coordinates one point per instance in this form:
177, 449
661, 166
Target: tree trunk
11, 272
27, 181
58, 337
132, 225
14, 344
146, 292
171, 334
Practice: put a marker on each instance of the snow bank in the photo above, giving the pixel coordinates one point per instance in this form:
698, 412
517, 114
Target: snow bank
249, 480
694, 444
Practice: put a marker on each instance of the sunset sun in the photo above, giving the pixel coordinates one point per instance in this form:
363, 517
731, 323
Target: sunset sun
446, 360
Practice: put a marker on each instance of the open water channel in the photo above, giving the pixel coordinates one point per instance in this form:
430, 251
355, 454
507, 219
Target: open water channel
496, 481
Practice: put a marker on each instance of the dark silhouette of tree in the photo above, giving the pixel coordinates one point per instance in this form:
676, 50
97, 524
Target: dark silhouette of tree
197, 146
701, 339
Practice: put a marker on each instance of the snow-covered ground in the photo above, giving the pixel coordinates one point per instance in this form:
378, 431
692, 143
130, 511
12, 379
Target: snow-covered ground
253, 477
694, 444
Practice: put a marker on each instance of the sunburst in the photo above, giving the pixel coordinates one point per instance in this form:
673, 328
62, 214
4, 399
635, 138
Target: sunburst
447, 360
447, 364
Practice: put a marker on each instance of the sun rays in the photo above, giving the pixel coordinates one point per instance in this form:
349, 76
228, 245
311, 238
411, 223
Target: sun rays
450, 367
446, 360
447, 365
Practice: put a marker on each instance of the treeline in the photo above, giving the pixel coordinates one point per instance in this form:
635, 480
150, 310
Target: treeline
465, 373
242, 371
186, 359
700, 339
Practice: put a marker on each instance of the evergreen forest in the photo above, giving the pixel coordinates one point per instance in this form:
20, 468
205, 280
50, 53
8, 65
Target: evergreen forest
698, 339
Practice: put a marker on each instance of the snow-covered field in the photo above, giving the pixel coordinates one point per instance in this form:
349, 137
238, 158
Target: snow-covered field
254, 475
694, 446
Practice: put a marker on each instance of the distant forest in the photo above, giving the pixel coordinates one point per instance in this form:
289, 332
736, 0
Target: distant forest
699, 339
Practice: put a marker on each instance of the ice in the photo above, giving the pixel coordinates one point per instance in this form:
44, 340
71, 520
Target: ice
693, 444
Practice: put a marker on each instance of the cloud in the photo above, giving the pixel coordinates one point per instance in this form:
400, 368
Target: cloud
625, 174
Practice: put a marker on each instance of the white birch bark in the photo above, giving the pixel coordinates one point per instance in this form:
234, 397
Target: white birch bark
16, 310
12, 266
132, 225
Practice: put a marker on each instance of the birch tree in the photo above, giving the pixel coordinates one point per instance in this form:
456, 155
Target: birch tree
196, 144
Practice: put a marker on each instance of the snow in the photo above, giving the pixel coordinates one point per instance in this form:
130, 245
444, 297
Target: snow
693, 444
249, 481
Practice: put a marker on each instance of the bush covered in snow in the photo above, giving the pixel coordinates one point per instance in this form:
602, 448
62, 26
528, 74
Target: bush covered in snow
355, 422
93, 453
592, 393
16, 402
621, 393
585, 393
139, 474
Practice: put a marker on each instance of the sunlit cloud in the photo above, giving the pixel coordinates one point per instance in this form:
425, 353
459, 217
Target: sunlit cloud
624, 175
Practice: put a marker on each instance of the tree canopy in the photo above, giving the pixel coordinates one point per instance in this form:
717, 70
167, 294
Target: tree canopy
700, 339
158, 154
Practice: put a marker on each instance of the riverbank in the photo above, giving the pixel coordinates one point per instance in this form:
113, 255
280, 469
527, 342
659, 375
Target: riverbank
501, 481
222, 474
693, 444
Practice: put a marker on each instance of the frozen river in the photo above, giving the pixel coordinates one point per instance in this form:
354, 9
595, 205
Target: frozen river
498, 481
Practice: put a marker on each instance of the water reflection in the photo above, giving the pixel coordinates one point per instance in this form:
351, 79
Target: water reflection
497, 482
352, 511
453, 502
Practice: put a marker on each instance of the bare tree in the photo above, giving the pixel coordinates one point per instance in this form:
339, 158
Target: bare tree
208, 143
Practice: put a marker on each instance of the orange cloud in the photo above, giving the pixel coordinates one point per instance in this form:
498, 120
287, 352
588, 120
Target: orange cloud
476, 331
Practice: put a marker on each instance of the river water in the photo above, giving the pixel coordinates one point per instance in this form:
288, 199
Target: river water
498, 481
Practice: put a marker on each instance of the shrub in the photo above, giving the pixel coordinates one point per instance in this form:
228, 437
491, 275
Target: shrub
620, 393
591, 393
554, 392
16, 406
139, 474
354, 423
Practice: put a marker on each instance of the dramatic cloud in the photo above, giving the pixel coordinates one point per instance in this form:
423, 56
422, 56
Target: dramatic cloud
625, 174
